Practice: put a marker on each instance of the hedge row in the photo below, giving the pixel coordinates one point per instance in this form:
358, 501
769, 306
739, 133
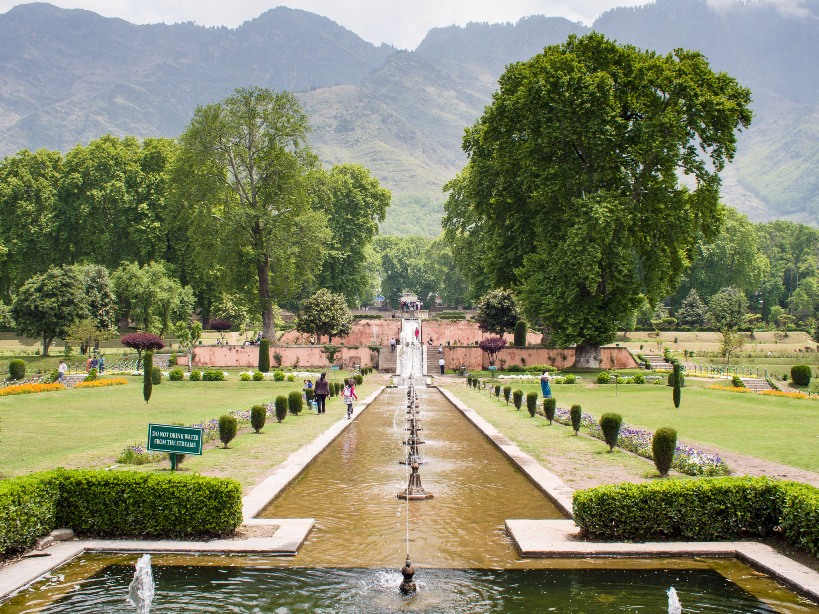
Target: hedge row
116, 504
707, 509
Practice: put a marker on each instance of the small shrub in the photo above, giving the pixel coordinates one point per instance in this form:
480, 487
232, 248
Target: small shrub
227, 429
195, 376
515, 369
258, 376
549, 407
92, 375
290, 377
264, 355
736, 382
295, 403
638, 378
338, 387
520, 333
801, 374
213, 375
507, 393
663, 446
359, 379
603, 377
245, 377
469, 381
147, 378
570, 379
677, 380
258, 416
17, 369
309, 393
176, 375
517, 398
281, 407
156, 376
576, 415
497, 390
610, 425
531, 403
670, 380
278, 376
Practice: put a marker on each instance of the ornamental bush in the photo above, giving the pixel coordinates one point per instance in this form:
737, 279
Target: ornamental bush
17, 369
517, 398
227, 429
92, 375
290, 377
156, 376
359, 379
147, 376
610, 425
671, 379
278, 376
497, 390
507, 393
576, 415
195, 376
801, 374
603, 377
213, 375
531, 403
570, 379
638, 378
258, 376
663, 446
264, 355
281, 407
736, 382
520, 333
244, 377
258, 416
677, 382
309, 394
176, 375
294, 402
28, 509
549, 406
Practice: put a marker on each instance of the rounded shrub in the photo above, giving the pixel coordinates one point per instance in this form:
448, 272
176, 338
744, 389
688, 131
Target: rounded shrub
195, 376
610, 425
570, 379
92, 375
176, 375
147, 376
258, 416
227, 429
156, 376
281, 407
576, 414
549, 406
245, 377
213, 375
663, 446
309, 393
258, 376
671, 379
294, 402
497, 390
17, 369
517, 398
359, 379
603, 377
638, 378
801, 374
278, 376
520, 333
736, 382
290, 377
264, 355
507, 393
531, 403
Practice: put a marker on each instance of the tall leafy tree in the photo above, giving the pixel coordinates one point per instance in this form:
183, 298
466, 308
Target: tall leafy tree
150, 297
244, 175
354, 203
325, 313
47, 304
692, 311
573, 180
405, 268
497, 312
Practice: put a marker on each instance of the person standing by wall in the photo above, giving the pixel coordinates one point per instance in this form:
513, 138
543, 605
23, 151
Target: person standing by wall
544, 385
322, 390
442, 364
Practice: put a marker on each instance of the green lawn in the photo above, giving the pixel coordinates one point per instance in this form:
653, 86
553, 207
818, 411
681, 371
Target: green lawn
91, 427
777, 429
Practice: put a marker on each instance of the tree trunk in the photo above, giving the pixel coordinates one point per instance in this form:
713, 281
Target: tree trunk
265, 301
587, 356
46, 344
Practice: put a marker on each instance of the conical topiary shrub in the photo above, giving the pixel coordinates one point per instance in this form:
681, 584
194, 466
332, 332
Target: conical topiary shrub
549, 406
227, 429
663, 447
677, 390
507, 393
147, 376
517, 398
531, 403
258, 416
281, 407
264, 355
295, 402
576, 414
610, 425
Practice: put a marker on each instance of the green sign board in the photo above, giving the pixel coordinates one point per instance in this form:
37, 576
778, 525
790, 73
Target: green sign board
179, 439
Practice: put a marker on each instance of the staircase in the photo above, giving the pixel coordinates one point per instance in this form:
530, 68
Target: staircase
755, 385
658, 363
432, 360
387, 361
70, 379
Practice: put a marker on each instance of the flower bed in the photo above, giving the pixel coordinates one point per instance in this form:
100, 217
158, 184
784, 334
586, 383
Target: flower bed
789, 395
101, 383
686, 459
30, 389
741, 390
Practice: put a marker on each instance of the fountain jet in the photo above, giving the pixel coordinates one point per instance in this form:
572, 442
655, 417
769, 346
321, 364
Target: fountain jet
141, 589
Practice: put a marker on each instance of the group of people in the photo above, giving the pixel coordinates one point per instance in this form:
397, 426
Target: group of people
95, 362
321, 391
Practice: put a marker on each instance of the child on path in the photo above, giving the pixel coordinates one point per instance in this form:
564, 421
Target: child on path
348, 395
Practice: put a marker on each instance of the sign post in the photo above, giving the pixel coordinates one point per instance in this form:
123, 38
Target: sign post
175, 440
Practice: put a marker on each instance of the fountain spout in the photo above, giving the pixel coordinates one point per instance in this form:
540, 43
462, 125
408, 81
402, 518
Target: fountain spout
674, 606
407, 586
141, 589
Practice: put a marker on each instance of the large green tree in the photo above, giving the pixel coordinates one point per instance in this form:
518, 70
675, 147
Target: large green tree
47, 304
325, 313
573, 180
150, 297
244, 177
354, 203
405, 267
497, 312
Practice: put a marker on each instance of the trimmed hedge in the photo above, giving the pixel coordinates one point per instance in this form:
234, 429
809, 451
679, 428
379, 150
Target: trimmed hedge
213, 375
17, 369
176, 375
801, 374
531, 403
707, 509
116, 504
294, 402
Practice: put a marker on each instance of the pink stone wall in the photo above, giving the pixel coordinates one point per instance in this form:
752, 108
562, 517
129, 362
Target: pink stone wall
474, 358
365, 332
291, 356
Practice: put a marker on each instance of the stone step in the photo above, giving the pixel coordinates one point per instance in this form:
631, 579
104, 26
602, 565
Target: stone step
70, 379
387, 360
658, 363
756, 384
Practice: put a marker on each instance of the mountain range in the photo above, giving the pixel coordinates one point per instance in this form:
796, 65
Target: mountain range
69, 76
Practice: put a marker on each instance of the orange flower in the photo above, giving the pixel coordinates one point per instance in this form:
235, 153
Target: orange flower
99, 383
729, 388
29, 389
789, 395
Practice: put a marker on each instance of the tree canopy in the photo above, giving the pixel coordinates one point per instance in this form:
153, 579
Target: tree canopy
325, 313
572, 185
497, 312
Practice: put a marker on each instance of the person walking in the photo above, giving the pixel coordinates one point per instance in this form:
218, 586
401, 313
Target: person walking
544, 385
417, 334
442, 364
348, 395
102, 364
61, 371
322, 390
392, 344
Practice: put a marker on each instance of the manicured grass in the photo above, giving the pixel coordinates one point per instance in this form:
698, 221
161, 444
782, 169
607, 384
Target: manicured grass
777, 429
91, 427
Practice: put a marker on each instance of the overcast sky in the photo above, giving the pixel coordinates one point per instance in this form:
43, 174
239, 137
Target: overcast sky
402, 23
